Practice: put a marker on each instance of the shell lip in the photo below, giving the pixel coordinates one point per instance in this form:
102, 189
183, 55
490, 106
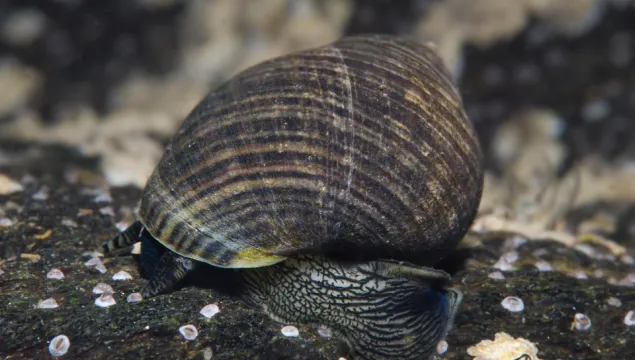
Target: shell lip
247, 258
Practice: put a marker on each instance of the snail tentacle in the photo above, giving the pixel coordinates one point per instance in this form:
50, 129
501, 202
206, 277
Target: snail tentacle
169, 271
126, 238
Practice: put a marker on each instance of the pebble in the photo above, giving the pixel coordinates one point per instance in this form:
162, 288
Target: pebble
189, 332
290, 331
102, 195
496, 275
102, 288
122, 275
59, 345
6, 222
628, 260
581, 322
629, 319
598, 273
628, 280
28, 179
515, 242
1, 271
596, 110
122, 225
210, 310
22, 26
69, 223
578, 274
513, 304
105, 300
134, 297
41, 194
84, 212
56, 274
613, 301
8, 186
31, 257
442, 347
49, 303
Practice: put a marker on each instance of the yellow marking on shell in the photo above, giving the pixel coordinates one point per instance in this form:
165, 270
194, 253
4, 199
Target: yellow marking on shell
247, 258
415, 98
255, 258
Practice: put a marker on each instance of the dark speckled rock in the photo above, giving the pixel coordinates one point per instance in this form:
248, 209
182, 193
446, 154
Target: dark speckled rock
149, 329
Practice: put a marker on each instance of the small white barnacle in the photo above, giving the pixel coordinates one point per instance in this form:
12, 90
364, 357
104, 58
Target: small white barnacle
442, 347
578, 274
189, 332
290, 331
102, 288
581, 322
506, 261
134, 297
209, 310
96, 264
93, 262
105, 300
324, 331
122, 275
107, 210
208, 353
629, 319
49, 303
613, 301
543, 265
59, 345
56, 274
513, 304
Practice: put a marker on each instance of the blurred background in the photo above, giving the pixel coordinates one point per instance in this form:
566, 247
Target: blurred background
548, 83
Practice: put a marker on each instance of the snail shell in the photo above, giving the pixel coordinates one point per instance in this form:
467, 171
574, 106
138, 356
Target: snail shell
360, 147
335, 158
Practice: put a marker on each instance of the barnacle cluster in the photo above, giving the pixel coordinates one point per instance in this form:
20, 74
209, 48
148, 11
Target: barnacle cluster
504, 347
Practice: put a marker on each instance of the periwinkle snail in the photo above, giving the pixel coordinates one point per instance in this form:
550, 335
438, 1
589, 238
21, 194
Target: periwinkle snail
334, 178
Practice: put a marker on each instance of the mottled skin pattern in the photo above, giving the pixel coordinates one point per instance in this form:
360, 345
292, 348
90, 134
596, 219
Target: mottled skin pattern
324, 164
382, 310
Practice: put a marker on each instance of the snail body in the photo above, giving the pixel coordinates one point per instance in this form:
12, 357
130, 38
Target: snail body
335, 177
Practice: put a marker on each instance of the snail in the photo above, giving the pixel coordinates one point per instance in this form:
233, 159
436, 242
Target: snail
334, 178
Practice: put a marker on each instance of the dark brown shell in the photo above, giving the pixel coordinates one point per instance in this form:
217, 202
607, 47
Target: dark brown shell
360, 148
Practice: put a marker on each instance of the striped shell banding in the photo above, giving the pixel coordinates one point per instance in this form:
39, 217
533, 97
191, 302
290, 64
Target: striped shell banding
329, 163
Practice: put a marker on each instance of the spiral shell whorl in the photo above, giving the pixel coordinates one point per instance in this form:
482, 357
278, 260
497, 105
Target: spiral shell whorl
359, 147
